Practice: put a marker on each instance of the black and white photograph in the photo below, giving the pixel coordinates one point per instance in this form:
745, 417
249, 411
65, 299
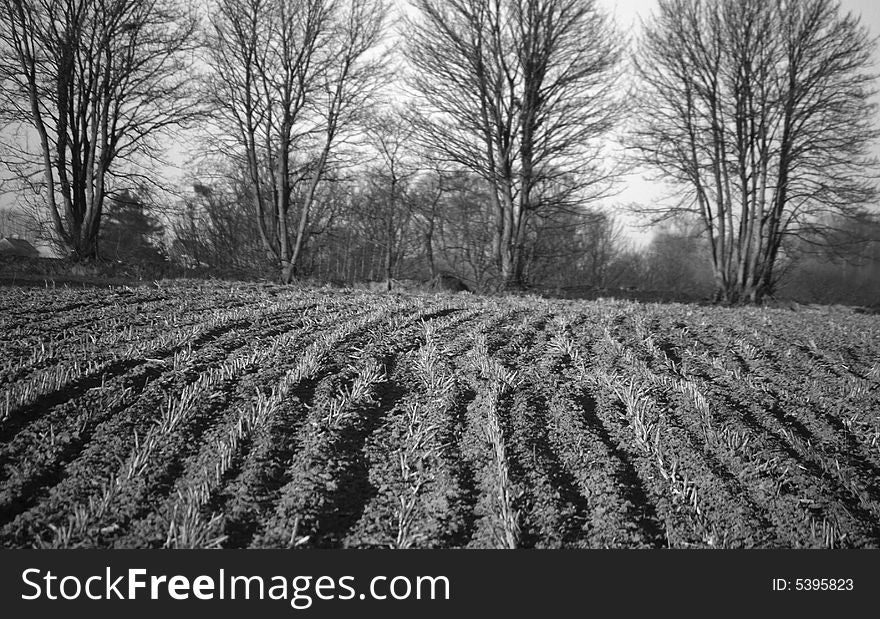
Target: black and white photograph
362, 275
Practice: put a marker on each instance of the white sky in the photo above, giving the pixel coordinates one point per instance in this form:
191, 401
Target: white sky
638, 187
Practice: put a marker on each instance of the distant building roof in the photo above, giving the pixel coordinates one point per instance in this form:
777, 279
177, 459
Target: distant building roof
48, 249
18, 247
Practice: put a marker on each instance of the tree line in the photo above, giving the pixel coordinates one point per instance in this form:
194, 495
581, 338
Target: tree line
473, 142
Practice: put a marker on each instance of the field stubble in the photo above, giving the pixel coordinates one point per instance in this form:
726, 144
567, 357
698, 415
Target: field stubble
218, 416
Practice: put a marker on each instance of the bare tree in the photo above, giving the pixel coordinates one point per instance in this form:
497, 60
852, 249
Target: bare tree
426, 193
601, 243
290, 80
574, 250
389, 134
762, 111
516, 91
216, 225
95, 81
462, 234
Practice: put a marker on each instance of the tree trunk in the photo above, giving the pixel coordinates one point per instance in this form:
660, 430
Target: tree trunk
389, 252
429, 251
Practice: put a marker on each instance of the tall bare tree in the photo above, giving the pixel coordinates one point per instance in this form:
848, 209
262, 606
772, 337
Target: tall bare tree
389, 134
95, 81
762, 111
517, 91
290, 80
426, 192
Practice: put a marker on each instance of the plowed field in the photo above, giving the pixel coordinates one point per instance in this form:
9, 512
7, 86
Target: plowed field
212, 415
